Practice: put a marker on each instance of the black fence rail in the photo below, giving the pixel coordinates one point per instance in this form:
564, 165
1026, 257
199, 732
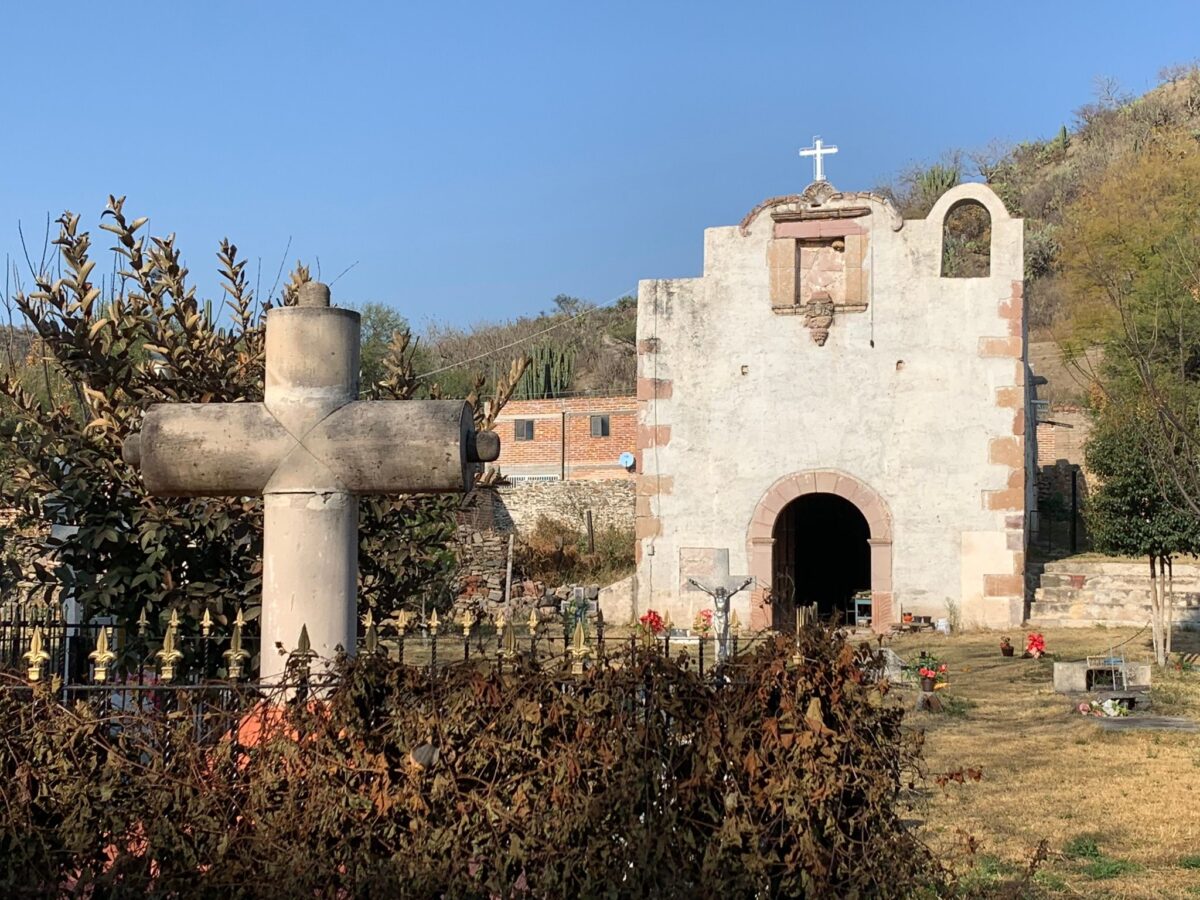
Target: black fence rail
218, 707
82, 659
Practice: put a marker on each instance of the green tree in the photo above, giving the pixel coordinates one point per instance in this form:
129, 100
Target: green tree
1132, 266
1134, 512
380, 324
153, 341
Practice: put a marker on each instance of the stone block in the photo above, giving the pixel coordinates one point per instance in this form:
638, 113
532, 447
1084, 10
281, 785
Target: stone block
1000, 346
1072, 677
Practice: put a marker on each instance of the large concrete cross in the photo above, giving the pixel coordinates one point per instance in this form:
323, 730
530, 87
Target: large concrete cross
310, 448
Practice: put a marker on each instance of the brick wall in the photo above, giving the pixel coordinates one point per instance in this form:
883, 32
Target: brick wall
1061, 434
581, 456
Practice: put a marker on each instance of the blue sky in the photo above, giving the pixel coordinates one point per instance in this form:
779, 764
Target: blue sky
475, 160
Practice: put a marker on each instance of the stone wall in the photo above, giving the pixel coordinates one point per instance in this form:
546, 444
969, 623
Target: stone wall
1088, 592
611, 502
489, 516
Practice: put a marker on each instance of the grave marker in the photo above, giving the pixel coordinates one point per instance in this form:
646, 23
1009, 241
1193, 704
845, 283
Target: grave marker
310, 449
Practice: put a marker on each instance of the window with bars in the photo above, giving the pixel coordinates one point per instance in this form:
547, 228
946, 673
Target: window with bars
599, 426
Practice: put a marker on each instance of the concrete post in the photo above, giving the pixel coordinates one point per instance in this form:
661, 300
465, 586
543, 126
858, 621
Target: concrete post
310, 519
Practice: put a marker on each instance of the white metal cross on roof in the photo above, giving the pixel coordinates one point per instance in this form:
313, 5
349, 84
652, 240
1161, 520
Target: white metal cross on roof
817, 151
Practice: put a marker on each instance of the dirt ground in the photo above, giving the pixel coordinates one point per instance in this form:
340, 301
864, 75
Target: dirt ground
1120, 812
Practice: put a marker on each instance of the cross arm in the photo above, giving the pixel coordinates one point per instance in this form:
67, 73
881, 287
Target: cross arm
402, 446
207, 449
361, 447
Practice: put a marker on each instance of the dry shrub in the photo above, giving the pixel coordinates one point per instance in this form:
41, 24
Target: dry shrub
635, 780
556, 553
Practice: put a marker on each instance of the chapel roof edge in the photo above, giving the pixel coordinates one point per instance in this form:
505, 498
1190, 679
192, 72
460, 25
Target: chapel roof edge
821, 196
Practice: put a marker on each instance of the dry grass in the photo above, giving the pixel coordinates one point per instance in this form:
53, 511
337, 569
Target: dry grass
1119, 810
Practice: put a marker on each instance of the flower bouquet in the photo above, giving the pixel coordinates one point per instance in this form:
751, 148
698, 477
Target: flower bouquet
703, 623
932, 672
1102, 708
1035, 645
651, 625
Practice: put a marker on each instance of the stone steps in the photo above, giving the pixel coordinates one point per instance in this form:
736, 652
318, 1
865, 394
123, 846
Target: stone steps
1110, 592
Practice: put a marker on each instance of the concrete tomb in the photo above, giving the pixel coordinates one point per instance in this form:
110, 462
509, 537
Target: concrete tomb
310, 448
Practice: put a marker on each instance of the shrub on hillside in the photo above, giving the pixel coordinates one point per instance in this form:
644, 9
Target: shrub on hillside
635, 780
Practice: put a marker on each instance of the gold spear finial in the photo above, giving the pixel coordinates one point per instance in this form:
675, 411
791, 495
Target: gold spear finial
240, 620
468, 621
401, 618
433, 623
579, 648
501, 620
36, 656
235, 656
508, 644
300, 659
170, 654
173, 622
371, 638
533, 621
206, 622
102, 657
735, 624
369, 619
143, 622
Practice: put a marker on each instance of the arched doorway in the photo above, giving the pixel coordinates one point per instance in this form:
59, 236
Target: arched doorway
761, 540
821, 556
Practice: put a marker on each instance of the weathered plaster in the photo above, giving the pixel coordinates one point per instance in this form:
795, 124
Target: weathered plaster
918, 395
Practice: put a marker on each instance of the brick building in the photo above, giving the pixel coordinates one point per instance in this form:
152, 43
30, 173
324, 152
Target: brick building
567, 439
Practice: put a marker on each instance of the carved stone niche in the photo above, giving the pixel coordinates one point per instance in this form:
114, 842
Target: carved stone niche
816, 257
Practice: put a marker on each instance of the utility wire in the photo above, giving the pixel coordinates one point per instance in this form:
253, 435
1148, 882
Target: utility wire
526, 339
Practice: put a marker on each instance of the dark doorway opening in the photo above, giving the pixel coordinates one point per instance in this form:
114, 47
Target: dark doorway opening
821, 556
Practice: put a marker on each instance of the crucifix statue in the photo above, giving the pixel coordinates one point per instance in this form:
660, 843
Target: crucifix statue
818, 151
310, 448
721, 595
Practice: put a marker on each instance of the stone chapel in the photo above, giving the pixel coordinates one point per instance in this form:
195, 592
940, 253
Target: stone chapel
825, 412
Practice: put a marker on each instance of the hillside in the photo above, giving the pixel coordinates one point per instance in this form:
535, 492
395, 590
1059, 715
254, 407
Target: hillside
594, 348
1038, 180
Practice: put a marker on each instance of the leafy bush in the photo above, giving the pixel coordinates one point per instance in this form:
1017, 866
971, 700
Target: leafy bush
151, 340
636, 780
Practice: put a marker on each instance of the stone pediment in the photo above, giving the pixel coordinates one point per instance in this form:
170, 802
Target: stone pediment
821, 200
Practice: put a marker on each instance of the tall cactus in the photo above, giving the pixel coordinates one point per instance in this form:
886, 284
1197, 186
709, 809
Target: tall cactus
550, 373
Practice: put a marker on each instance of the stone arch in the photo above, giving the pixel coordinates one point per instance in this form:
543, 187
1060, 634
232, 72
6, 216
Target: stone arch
760, 540
972, 190
970, 194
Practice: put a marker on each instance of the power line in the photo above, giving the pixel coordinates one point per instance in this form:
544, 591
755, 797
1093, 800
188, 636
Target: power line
526, 339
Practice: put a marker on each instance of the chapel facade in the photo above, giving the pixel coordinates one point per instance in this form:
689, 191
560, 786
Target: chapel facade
825, 413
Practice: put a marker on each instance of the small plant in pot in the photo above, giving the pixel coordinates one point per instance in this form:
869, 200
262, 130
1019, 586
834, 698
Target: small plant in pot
933, 674
1006, 647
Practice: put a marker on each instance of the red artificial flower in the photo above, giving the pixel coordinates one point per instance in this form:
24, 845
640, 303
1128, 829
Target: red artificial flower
652, 621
